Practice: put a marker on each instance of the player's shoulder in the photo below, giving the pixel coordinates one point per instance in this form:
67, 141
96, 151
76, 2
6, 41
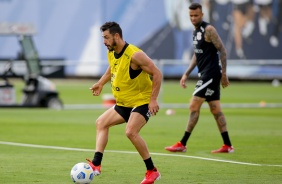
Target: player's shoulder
211, 30
209, 27
133, 47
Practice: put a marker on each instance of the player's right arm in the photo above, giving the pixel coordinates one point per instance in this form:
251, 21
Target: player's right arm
98, 86
191, 67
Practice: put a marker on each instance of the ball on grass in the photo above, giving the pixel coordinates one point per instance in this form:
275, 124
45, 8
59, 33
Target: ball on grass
170, 112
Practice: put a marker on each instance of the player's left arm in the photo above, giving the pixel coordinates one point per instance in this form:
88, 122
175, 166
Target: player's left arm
141, 60
213, 37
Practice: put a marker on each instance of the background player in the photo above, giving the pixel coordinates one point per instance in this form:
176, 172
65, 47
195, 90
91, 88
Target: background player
207, 43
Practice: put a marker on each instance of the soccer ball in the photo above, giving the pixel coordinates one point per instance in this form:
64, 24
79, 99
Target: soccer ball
82, 173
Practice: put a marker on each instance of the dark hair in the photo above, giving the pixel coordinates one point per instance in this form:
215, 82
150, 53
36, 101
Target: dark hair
195, 6
113, 28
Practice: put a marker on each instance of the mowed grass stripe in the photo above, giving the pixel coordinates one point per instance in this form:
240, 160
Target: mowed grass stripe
132, 152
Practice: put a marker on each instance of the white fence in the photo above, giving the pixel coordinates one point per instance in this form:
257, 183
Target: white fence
236, 69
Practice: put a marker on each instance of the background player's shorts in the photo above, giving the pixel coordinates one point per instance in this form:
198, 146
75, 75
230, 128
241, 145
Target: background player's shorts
208, 88
126, 111
243, 7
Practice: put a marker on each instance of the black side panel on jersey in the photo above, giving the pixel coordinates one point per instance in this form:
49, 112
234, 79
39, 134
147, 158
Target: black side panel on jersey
134, 73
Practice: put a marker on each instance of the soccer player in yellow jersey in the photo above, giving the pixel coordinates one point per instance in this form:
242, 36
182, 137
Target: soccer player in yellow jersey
136, 96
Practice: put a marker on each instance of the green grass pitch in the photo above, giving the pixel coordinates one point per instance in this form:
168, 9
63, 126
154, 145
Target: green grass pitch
44, 135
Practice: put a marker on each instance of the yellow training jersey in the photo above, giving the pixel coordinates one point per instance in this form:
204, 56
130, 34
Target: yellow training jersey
128, 92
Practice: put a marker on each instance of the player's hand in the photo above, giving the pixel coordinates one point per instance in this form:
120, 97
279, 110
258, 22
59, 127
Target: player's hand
224, 81
153, 107
183, 80
96, 89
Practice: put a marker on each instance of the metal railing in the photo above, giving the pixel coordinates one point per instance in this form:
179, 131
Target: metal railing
236, 69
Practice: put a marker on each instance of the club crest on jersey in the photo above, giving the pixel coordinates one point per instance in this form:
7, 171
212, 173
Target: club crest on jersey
199, 35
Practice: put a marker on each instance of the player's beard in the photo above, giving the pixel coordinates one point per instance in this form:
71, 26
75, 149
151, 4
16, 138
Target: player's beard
111, 47
197, 24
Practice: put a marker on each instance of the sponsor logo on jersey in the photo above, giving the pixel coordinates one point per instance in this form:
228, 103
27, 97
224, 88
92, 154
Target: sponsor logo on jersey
198, 51
115, 88
126, 55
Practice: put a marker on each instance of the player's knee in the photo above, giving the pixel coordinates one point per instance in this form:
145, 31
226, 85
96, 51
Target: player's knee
130, 134
193, 108
99, 124
215, 112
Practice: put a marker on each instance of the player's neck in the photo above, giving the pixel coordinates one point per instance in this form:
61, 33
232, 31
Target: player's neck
120, 46
198, 25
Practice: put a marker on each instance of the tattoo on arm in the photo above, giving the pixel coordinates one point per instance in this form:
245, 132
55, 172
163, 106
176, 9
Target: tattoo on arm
212, 36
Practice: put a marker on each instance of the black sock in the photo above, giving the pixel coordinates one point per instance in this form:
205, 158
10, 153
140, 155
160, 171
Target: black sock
185, 138
97, 158
226, 139
149, 164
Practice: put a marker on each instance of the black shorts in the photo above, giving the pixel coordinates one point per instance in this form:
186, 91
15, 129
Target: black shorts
208, 88
126, 111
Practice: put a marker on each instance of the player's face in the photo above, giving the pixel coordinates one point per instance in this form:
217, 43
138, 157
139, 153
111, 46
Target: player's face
109, 40
196, 17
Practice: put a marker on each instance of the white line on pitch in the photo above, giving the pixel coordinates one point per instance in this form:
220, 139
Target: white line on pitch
132, 152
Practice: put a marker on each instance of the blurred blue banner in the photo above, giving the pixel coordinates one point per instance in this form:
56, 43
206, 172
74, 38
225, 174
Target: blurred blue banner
70, 29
